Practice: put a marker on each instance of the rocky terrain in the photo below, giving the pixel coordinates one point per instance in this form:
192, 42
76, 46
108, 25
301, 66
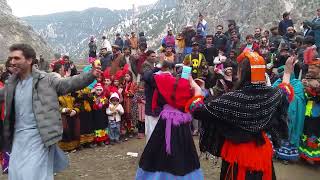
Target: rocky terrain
68, 35
13, 30
69, 32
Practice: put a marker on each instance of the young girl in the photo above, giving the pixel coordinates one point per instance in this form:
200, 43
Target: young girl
128, 94
99, 117
108, 87
71, 123
118, 88
218, 61
114, 112
138, 108
84, 100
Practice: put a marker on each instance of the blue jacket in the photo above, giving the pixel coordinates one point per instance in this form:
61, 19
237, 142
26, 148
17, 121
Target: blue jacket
283, 25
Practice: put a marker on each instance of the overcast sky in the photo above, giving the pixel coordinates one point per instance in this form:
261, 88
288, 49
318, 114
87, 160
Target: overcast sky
22, 8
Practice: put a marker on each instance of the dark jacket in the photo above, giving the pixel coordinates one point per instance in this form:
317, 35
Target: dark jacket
276, 39
220, 42
209, 54
142, 39
132, 61
47, 87
127, 43
287, 41
149, 87
105, 61
283, 25
119, 42
188, 35
201, 41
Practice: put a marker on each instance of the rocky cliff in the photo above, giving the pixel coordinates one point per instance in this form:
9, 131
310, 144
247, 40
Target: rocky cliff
13, 30
68, 35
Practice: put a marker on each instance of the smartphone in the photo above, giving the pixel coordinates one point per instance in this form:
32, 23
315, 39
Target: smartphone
186, 72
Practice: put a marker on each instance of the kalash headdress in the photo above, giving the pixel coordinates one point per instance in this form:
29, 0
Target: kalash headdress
257, 65
121, 73
106, 73
309, 56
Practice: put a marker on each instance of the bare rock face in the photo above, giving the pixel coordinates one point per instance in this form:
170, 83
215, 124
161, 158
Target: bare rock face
13, 30
247, 13
5, 9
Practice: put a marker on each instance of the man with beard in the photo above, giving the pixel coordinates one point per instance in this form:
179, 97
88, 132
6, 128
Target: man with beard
148, 68
250, 44
275, 37
115, 60
220, 40
285, 23
315, 27
210, 52
32, 124
118, 41
289, 38
195, 60
232, 27
232, 61
105, 58
69, 66
234, 43
257, 35
141, 58
130, 60
200, 40
188, 34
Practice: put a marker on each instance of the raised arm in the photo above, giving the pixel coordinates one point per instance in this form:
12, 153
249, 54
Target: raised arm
71, 84
74, 83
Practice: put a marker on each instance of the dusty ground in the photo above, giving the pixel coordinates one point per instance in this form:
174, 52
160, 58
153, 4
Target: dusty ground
112, 163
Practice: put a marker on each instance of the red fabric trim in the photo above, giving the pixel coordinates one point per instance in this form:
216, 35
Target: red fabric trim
155, 100
165, 85
249, 157
303, 156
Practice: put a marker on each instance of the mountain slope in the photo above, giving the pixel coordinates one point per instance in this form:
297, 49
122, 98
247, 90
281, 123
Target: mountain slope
69, 32
13, 30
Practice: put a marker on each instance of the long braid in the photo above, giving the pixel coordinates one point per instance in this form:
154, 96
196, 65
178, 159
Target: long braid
173, 95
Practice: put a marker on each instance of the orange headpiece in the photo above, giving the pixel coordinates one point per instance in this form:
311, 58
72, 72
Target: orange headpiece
258, 66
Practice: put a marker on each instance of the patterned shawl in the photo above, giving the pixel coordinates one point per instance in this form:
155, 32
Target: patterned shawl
242, 115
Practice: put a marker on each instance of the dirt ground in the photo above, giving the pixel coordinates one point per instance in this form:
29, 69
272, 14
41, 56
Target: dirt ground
112, 163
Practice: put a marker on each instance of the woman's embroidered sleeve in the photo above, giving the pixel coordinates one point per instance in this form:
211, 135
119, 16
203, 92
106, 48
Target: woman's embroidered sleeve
194, 103
288, 90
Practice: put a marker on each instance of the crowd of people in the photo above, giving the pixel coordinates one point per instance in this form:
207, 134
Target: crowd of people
243, 97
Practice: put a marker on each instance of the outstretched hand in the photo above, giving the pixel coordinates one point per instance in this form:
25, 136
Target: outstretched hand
195, 87
289, 66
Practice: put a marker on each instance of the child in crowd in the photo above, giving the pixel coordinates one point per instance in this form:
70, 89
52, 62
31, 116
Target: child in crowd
128, 94
114, 112
99, 117
138, 109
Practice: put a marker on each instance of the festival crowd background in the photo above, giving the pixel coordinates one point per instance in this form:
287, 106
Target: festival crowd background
118, 105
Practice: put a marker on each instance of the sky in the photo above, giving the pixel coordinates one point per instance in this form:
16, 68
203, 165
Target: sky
22, 8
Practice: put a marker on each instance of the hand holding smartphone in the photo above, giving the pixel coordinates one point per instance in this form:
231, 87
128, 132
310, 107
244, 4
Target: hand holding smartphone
186, 72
